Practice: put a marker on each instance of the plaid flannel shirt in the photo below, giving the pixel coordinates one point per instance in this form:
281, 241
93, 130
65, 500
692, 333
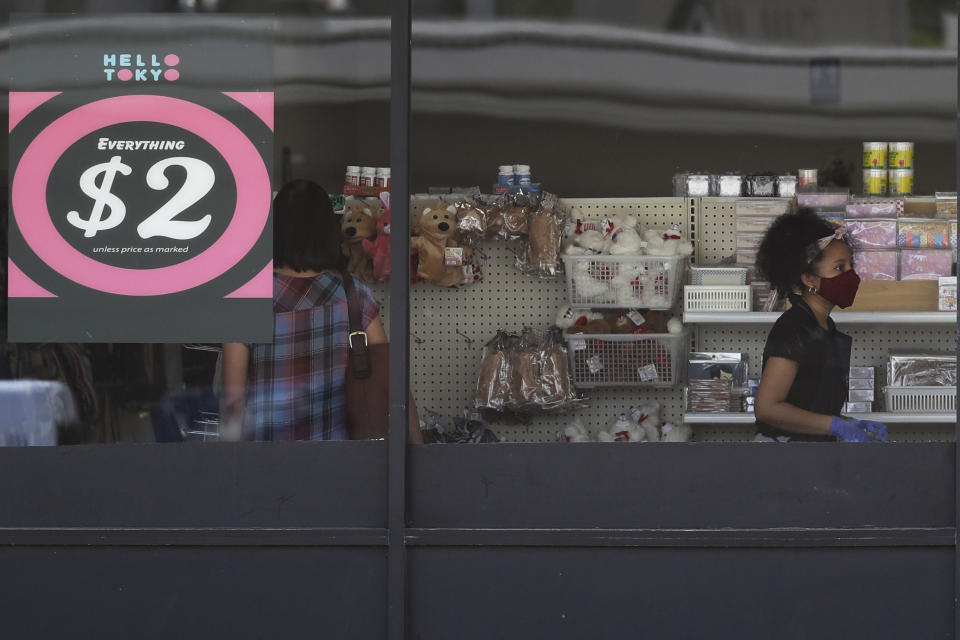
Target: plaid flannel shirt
296, 386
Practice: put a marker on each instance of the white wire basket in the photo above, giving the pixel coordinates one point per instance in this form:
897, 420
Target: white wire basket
920, 399
626, 360
624, 282
716, 298
718, 276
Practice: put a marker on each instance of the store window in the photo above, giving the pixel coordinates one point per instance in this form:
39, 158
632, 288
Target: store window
674, 134
320, 71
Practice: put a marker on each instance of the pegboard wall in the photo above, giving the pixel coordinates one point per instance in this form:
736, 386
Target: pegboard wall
449, 327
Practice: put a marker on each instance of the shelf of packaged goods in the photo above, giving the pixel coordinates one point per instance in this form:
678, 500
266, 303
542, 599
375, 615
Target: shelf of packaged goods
840, 317
886, 418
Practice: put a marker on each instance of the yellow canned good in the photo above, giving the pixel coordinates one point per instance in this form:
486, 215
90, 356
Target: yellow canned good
900, 155
874, 155
875, 182
901, 182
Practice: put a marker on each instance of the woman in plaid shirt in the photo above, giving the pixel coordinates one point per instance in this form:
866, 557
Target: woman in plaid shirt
295, 388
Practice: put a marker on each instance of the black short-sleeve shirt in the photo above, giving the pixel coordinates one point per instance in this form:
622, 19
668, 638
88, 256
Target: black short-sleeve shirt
823, 359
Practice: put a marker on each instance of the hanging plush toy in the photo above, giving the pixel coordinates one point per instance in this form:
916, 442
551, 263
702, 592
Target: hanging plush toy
359, 223
379, 248
439, 256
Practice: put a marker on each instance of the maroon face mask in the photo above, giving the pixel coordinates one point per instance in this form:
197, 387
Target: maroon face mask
840, 290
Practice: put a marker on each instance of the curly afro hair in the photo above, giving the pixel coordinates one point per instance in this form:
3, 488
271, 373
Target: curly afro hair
782, 257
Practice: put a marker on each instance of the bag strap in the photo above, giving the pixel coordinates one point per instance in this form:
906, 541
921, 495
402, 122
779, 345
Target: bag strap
357, 338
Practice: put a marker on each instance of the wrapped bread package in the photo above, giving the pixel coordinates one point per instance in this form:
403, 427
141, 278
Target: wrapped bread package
526, 364
922, 370
925, 264
873, 234
877, 265
493, 385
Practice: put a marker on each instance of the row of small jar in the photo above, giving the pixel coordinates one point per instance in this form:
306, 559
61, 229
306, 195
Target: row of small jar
367, 176
509, 175
734, 185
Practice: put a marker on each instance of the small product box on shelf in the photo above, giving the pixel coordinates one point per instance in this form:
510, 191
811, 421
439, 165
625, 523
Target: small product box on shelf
861, 395
948, 293
858, 407
862, 372
857, 384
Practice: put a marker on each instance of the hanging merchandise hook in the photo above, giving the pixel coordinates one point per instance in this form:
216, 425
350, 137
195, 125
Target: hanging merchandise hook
416, 338
467, 338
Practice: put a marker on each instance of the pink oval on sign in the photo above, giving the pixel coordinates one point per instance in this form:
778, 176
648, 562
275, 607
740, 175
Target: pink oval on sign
29, 188
125, 74
171, 60
172, 75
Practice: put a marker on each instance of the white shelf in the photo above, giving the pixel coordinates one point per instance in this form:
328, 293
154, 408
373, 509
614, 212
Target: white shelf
840, 317
886, 418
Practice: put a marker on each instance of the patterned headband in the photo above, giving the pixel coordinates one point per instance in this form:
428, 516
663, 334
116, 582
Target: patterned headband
814, 249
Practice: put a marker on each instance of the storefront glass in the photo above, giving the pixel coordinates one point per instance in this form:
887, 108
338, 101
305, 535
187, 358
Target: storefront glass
323, 87
689, 119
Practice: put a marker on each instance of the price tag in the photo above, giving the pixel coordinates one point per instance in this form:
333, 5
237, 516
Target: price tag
595, 364
453, 256
636, 317
648, 373
578, 345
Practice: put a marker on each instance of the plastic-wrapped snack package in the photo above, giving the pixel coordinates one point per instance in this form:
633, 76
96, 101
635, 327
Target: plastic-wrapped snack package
526, 365
557, 388
875, 208
922, 369
924, 234
925, 264
877, 265
873, 234
493, 385
541, 255
471, 220
492, 207
516, 215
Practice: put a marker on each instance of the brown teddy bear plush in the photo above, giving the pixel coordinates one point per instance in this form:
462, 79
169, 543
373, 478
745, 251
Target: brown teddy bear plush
436, 231
359, 223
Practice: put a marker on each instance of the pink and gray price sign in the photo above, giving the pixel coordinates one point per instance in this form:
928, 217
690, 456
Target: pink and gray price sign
140, 183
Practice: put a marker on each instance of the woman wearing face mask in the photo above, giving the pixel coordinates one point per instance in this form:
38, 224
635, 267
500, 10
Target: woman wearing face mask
806, 361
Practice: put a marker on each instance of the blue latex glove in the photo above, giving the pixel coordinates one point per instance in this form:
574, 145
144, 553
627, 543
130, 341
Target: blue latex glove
876, 430
858, 430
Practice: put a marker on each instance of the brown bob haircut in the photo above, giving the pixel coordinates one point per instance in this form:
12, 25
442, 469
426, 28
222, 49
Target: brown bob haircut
306, 231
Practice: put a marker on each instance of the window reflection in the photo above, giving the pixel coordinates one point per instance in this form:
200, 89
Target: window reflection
331, 73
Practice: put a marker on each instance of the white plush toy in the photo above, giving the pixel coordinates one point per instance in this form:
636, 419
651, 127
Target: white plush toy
648, 418
586, 285
667, 242
587, 241
674, 325
568, 316
623, 430
576, 432
624, 239
677, 433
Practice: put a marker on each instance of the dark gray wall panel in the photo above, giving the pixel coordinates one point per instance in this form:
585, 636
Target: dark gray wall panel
786, 594
744, 485
192, 593
295, 484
